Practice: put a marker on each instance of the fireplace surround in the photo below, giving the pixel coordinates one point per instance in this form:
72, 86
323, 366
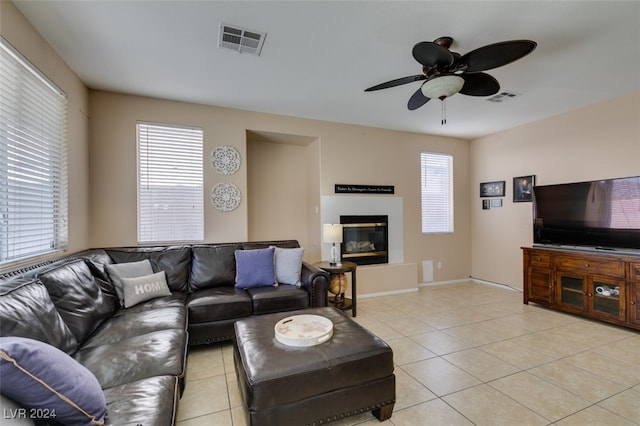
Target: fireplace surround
365, 239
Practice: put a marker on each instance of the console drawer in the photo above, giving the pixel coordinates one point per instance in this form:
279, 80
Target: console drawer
539, 259
590, 266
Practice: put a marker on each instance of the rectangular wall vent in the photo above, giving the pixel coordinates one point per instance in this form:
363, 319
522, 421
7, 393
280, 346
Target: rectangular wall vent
241, 40
503, 96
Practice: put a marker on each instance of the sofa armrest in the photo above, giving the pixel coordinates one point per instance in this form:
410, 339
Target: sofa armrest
316, 282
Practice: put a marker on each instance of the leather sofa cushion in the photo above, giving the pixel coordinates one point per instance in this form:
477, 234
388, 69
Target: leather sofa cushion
284, 297
97, 259
353, 356
174, 261
77, 297
218, 303
151, 401
131, 324
153, 354
213, 266
26, 310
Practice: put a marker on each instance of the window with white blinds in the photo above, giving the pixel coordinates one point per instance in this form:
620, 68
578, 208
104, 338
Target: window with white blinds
33, 156
437, 192
170, 183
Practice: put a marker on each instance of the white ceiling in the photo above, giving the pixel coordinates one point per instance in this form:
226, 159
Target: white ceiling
319, 56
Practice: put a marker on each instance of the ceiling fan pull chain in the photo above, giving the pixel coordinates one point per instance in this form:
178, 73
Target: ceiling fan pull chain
443, 121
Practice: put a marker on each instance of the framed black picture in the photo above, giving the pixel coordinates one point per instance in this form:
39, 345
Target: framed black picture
523, 188
492, 189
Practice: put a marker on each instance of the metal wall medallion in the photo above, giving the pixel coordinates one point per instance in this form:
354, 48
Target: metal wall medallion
226, 197
225, 160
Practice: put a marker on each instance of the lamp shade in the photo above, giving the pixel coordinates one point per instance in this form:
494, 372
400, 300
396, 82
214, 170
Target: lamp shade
442, 87
332, 233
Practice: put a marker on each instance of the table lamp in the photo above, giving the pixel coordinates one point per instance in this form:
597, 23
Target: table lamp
332, 233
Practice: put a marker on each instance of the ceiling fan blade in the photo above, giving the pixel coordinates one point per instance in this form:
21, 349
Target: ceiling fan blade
495, 55
397, 82
417, 100
479, 84
430, 54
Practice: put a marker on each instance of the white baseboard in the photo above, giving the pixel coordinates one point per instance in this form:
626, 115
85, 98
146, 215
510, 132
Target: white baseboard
441, 283
438, 284
388, 293
503, 286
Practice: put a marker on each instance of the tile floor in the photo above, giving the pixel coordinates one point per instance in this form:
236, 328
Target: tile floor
467, 354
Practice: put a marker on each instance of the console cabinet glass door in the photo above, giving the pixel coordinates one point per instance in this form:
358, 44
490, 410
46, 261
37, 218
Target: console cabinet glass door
599, 296
606, 297
571, 291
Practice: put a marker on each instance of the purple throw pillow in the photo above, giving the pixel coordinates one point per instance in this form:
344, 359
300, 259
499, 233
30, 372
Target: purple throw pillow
255, 268
47, 381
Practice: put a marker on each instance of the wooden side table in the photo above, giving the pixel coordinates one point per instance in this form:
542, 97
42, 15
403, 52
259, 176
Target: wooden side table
341, 268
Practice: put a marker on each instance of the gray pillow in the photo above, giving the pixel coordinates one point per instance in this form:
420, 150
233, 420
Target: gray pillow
141, 289
288, 265
117, 271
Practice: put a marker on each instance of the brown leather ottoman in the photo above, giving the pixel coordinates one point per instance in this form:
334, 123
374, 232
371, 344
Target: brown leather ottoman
349, 374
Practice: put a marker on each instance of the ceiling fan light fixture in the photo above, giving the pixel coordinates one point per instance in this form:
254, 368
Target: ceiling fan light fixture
442, 87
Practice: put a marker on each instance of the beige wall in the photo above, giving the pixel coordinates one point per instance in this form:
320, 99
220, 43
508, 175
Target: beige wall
287, 176
19, 32
362, 155
597, 142
113, 164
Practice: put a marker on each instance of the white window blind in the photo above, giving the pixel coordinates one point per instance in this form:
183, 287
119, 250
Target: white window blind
33, 155
170, 183
437, 192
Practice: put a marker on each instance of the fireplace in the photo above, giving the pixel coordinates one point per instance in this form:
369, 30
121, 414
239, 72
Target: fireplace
365, 239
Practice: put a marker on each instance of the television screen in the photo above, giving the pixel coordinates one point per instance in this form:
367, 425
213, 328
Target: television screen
600, 214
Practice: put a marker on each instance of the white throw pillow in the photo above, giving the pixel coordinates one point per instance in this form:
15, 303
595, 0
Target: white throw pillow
141, 289
117, 271
289, 265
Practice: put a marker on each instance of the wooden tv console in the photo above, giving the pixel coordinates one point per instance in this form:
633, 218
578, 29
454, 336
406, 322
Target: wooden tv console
603, 286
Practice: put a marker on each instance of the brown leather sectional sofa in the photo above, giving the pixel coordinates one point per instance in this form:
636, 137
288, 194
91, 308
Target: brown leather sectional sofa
138, 354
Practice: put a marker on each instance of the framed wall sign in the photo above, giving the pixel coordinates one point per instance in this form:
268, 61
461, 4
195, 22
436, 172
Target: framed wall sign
492, 189
341, 188
523, 188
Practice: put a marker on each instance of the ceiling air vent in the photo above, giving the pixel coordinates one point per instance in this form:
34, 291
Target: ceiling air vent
241, 40
503, 96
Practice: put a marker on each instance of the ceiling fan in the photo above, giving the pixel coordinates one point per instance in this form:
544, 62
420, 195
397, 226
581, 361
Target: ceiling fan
447, 73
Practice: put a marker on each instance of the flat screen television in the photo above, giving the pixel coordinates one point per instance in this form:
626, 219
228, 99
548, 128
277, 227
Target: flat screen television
601, 215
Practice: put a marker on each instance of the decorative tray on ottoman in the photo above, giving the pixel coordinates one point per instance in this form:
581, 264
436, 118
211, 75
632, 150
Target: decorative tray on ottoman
303, 330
